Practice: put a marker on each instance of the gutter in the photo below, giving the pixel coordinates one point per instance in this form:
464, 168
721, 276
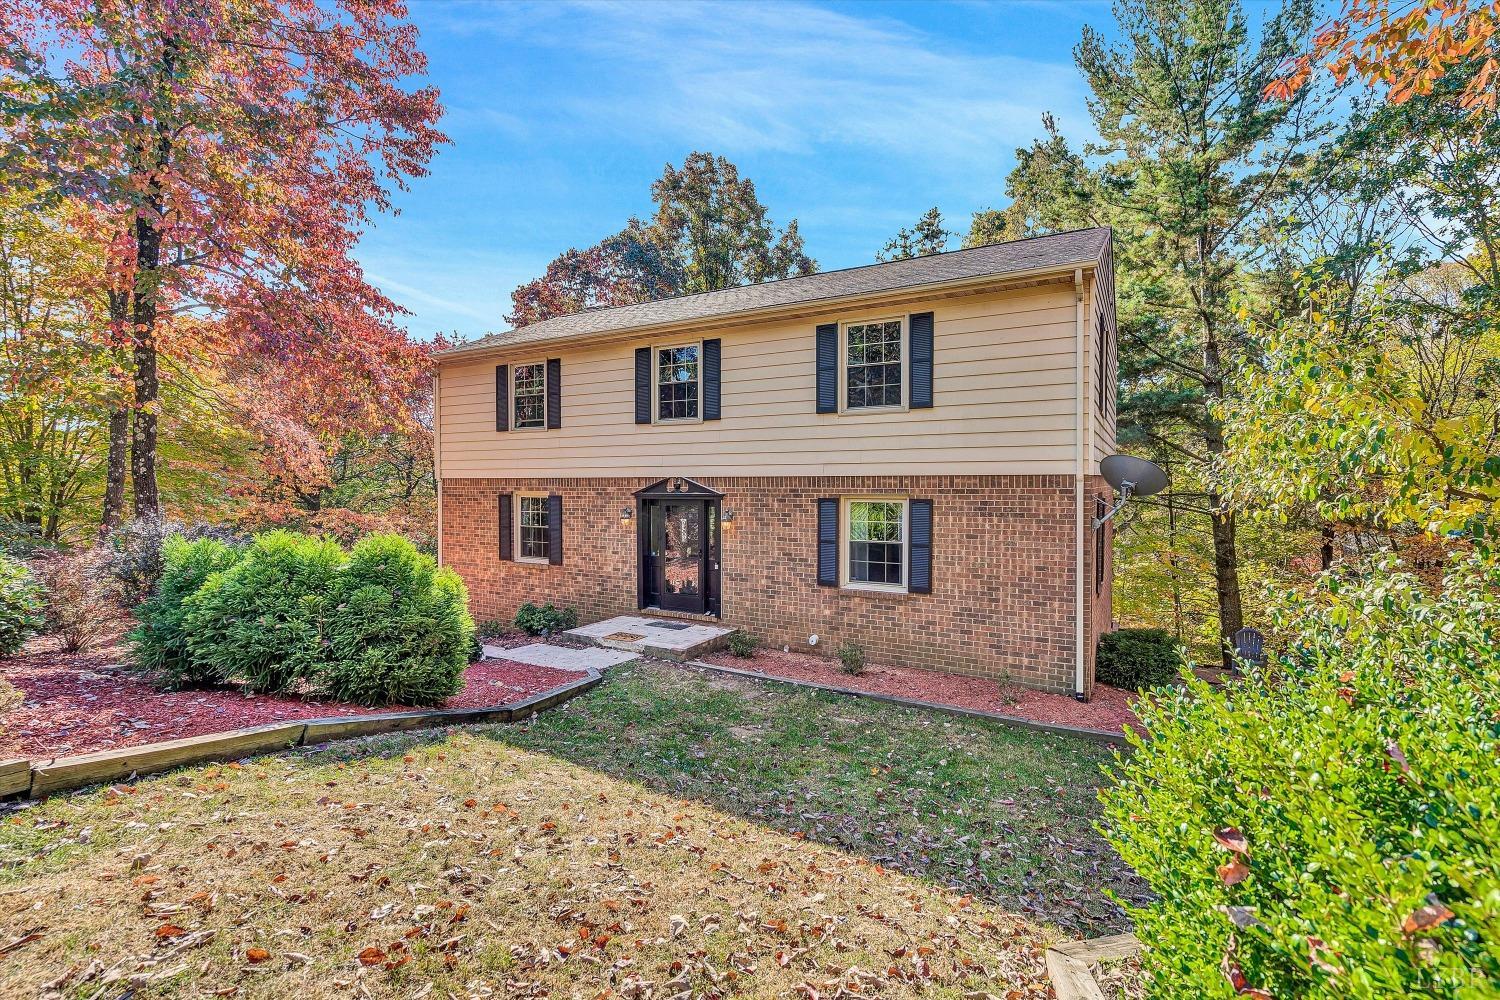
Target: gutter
437, 457
1079, 654
475, 351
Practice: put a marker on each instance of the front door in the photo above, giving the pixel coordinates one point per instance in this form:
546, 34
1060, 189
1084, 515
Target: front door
678, 558
679, 545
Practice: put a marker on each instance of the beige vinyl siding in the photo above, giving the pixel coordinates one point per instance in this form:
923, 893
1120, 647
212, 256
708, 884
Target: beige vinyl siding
1103, 418
1003, 404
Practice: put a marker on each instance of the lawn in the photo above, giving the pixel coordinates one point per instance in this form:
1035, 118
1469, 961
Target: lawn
681, 858
1003, 813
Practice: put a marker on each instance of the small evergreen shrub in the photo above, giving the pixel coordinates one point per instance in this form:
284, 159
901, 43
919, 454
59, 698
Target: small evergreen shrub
261, 620
82, 599
1135, 658
491, 628
21, 607
398, 628
742, 643
851, 657
1325, 826
545, 620
160, 642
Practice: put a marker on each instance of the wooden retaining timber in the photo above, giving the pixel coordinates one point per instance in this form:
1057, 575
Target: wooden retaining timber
1068, 964
1057, 729
39, 778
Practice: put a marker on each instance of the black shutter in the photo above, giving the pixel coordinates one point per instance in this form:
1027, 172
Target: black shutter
554, 529
920, 329
711, 367
921, 547
507, 529
502, 397
828, 542
643, 385
554, 393
828, 368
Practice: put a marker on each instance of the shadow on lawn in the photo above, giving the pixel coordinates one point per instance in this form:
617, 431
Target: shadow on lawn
1004, 814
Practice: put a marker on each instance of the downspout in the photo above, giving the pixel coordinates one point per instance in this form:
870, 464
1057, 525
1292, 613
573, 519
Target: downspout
1079, 654
437, 459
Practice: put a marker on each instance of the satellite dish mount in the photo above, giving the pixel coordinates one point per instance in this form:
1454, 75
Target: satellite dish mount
1131, 477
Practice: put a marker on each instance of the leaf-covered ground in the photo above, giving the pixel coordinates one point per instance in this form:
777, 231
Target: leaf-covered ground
1003, 813
468, 865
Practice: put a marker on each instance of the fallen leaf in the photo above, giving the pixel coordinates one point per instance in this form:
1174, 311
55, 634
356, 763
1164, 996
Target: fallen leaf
1427, 916
255, 955
169, 931
372, 956
1233, 873
1231, 839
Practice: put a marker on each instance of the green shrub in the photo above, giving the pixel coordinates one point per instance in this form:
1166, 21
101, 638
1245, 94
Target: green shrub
1135, 658
398, 628
742, 643
851, 657
261, 620
160, 643
545, 620
21, 608
1329, 826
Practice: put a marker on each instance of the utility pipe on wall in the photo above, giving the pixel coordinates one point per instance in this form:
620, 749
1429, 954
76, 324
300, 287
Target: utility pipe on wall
1079, 654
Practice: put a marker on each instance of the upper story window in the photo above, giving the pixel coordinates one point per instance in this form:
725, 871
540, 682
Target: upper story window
678, 383
529, 395
873, 360
875, 543
532, 532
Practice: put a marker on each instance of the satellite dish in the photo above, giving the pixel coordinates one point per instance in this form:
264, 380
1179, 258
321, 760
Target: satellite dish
1130, 476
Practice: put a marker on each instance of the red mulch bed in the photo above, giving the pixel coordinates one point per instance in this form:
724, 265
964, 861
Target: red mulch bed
1109, 710
82, 702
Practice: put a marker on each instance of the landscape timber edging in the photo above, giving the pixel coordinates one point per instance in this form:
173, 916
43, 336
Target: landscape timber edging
1068, 964
59, 774
1057, 729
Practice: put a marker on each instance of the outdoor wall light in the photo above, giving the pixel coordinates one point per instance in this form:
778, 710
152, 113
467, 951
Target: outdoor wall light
626, 513
729, 516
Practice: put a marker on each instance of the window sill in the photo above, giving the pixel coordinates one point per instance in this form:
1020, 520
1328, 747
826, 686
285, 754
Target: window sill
539, 427
676, 420
856, 410
875, 588
533, 560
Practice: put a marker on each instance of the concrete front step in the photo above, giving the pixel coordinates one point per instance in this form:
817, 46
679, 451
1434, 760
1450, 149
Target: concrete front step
670, 639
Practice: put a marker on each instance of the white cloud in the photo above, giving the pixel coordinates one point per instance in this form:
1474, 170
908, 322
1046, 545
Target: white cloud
784, 78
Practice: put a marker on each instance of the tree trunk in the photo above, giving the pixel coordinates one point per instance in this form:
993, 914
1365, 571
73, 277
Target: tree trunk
1226, 581
143, 353
1325, 550
143, 313
115, 469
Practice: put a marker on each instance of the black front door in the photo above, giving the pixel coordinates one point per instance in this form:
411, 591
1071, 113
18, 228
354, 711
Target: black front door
679, 548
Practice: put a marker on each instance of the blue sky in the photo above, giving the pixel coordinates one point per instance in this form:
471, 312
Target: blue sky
853, 118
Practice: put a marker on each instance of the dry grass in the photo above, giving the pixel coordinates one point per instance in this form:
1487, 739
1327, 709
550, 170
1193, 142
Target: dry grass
466, 868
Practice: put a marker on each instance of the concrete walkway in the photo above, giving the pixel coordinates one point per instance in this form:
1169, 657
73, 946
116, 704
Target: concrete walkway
540, 654
664, 637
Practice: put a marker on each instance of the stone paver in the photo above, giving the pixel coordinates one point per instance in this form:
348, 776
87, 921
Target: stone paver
654, 636
541, 654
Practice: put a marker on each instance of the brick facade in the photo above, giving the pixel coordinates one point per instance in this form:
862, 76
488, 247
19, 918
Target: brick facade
1003, 568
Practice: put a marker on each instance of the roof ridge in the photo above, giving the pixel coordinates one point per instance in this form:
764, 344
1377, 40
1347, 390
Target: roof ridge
781, 291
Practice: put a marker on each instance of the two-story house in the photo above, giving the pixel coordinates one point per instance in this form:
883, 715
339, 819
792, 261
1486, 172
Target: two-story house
905, 455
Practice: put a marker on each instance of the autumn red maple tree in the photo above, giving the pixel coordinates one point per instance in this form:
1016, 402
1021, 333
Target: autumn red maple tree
229, 154
1407, 49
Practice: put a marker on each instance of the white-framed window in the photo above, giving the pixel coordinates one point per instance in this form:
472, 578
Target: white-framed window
678, 382
533, 537
876, 534
872, 364
528, 394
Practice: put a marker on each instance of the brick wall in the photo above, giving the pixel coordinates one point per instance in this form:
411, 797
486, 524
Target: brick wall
1002, 563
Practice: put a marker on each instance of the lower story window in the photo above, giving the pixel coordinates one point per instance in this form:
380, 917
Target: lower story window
875, 543
531, 529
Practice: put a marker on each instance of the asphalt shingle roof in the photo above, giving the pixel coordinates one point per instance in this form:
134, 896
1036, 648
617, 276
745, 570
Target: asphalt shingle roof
1079, 247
